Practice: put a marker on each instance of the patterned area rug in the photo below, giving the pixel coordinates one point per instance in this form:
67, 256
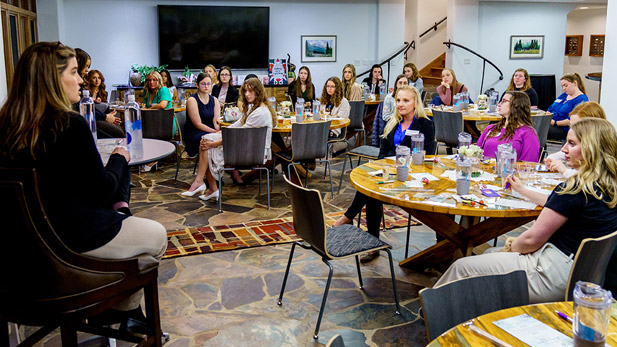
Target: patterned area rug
189, 241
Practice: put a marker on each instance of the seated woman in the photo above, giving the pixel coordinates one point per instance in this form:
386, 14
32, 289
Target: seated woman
406, 117
389, 105
520, 82
352, 91
90, 212
224, 90
413, 76
302, 87
582, 207
333, 102
374, 81
555, 161
167, 82
96, 86
211, 70
257, 113
573, 94
203, 111
107, 124
515, 127
449, 87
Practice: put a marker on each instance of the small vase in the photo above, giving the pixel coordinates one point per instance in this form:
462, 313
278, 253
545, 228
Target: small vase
135, 79
285, 112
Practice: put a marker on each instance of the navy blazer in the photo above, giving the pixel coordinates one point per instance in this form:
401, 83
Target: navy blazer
423, 125
232, 93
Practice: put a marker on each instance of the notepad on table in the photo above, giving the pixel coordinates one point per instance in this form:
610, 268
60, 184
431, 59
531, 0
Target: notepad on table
533, 332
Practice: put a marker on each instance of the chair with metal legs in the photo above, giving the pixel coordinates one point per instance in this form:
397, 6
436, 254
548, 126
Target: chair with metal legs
330, 243
238, 155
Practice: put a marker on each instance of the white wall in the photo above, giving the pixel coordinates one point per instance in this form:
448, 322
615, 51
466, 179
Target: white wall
50, 19
419, 16
609, 84
496, 21
131, 34
586, 22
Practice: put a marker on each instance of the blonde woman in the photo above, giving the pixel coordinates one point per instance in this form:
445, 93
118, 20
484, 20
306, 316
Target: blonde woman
211, 70
156, 95
351, 90
582, 207
406, 117
573, 94
333, 102
411, 72
257, 113
520, 82
449, 87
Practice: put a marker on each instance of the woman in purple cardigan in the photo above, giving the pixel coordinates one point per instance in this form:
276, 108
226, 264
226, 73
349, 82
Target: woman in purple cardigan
515, 127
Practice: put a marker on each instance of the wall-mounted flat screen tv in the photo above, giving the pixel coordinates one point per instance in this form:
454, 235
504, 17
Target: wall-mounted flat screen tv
195, 36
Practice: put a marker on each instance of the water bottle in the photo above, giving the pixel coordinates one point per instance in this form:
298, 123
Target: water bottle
365, 90
382, 91
299, 111
86, 108
132, 125
181, 96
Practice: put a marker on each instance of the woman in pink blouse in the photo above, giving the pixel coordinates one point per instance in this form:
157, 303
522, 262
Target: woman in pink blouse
515, 127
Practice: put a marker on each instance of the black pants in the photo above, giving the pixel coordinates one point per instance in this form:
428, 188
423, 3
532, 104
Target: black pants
373, 212
123, 193
556, 132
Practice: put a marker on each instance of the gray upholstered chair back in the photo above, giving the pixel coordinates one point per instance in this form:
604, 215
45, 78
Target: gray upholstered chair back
309, 140
158, 124
101, 106
453, 303
181, 121
356, 115
113, 95
590, 262
447, 126
308, 215
542, 124
244, 146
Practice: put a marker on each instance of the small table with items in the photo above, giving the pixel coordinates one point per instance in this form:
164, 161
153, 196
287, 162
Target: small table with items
462, 335
429, 196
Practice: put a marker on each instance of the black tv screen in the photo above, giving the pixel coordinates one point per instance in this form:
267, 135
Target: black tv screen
195, 36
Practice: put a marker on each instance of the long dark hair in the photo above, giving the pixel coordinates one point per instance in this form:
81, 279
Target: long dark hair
310, 93
520, 115
169, 83
36, 100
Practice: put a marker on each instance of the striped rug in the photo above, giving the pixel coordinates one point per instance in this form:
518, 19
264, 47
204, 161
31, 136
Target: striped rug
207, 239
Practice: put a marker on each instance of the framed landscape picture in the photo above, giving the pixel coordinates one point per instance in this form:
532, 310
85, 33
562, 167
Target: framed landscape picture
526, 46
318, 48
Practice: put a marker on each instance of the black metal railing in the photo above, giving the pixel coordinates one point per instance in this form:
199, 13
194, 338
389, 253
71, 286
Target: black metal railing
434, 27
484, 61
403, 50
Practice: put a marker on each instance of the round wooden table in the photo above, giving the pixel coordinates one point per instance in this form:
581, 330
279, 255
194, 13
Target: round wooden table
336, 123
153, 150
475, 115
545, 313
460, 239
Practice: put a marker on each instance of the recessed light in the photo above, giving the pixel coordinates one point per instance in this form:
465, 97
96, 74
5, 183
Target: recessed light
583, 7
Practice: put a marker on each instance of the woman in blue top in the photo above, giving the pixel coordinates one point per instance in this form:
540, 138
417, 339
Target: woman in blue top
203, 110
573, 94
406, 117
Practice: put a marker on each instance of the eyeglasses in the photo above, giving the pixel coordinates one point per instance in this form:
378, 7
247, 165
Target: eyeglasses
503, 101
205, 84
330, 87
225, 75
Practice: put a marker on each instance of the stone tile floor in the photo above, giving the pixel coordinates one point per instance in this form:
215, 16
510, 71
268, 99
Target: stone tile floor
230, 298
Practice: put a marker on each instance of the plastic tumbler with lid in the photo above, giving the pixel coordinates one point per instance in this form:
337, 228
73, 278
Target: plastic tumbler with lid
417, 152
464, 139
592, 313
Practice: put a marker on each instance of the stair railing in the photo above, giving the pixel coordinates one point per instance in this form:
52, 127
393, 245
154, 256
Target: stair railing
403, 50
434, 27
484, 61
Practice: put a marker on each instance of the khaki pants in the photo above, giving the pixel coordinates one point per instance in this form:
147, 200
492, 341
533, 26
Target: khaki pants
547, 270
136, 236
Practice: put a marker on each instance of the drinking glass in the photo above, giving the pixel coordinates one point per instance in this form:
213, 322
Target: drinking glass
402, 156
524, 170
463, 175
464, 139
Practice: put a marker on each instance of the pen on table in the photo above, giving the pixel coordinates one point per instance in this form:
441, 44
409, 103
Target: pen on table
563, 316
389, 181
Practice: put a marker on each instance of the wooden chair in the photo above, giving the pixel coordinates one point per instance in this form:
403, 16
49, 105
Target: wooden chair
542, 124
336, 341
334, 243
590, 262
308, 142
180, 122
453, 303
447, 127
48, 285
244, 148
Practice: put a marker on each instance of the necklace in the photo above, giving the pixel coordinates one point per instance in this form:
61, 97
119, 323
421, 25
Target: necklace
199, 95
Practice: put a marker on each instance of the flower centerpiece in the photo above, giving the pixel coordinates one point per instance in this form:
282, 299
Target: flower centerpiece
187, 77
482, 102
286, 109
476, 154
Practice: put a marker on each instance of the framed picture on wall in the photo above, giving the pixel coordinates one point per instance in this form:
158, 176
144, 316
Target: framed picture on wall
526, 46
318, 48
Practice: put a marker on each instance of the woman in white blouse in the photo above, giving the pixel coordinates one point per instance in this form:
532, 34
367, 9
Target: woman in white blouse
257, 113
333, 102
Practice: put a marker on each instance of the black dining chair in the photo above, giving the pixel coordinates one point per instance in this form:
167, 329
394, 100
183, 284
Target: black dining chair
159, 125
541, 124
240, 156
329, 243
308, 142
356, 115
447, 127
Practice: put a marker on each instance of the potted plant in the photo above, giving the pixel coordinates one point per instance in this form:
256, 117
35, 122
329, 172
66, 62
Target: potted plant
139, 73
